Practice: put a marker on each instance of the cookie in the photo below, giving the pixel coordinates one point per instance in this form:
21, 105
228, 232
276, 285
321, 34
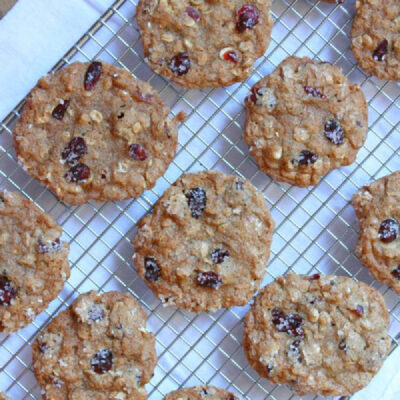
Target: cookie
94, 132
323, 335
207, 242
377, 207
34, 261
375, 37
204, 43
304, 120
98, 348
4, 397
205, 392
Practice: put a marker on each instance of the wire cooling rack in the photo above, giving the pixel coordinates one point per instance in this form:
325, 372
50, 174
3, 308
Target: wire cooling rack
316, 227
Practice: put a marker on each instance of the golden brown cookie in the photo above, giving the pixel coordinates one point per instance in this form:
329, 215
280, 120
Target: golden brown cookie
375, 37
304, 120
205, 392
34, 262
207, 242
323, 335
377, 207
99, 348
204, 43
94, 132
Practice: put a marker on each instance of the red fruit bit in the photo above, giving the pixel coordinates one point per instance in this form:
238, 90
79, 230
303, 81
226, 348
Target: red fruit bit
49, 247
218, 255
92, 75
291, 324
359, 311
314, 277
193, 13
137, 152
74, 151
7, 291
314, 92
381, 51
209, 279
43, 347
60, 109
396, 272
388, 231
102, 361
153, 271
307, 157
334, 132
78, 173
230, 55
246, 18
180, 64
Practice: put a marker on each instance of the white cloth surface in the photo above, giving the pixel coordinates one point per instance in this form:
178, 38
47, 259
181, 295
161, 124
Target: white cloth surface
34, 35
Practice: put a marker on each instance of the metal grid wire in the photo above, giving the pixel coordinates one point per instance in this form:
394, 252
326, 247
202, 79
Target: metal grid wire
316, 227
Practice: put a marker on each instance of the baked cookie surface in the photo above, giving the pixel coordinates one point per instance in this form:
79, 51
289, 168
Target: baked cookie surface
205, 392
94, 132
34, 262
377, 207
207, 242
98, 348
303, 120
4, 397
375, 37
322, 335
204, 43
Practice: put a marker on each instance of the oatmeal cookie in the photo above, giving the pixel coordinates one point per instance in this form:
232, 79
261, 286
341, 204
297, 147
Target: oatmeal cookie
377, 207
304, 120
99, 348
323, 335
34, 261
375, 37
93, 131
204, 43
205, 392
207, 242
4, 397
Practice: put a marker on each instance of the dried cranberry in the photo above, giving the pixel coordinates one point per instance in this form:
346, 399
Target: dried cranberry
197, 201
246, 17
137, 152
75, 149
78, 173
59, 110
359, 311
291, 324
102, 361
254, 94
307, 157
180, 64
342, 345
231, 55
396, 272
7, 291
314, 277
193, 13
49, 247
96, 313
209, 279
153, 271
314, 92
43, 347
218, 255
334, 132
92, 75
381, 51
389, 230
